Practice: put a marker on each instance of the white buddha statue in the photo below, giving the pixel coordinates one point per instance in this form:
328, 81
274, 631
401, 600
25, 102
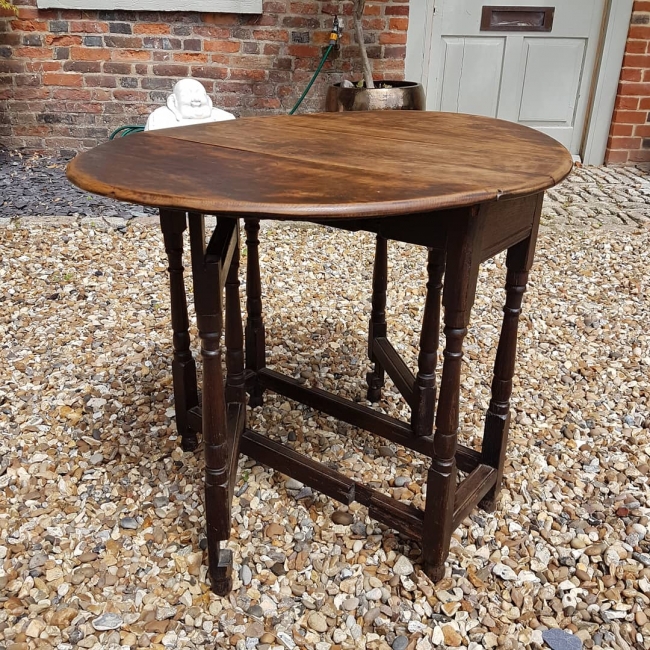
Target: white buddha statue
188, 104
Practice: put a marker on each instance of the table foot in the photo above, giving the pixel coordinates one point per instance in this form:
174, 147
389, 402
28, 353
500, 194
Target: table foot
189, 441
256, 397
436, 572
488, 505
375, 385
221, 573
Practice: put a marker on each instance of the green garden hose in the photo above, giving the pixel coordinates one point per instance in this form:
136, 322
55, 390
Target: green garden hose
311, 83
125, 130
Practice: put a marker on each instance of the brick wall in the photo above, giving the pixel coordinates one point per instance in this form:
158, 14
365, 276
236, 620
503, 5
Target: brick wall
629, 138
68, 78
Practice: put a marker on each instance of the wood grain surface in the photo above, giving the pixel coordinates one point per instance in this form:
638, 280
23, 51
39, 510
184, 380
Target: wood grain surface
326, 165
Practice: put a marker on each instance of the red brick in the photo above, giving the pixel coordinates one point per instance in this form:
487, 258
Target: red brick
88, 27
636, 61
34, 52
151, 28
303, 8
642, 155
639, 31
631, 74
400, 24
131, 95
398, 38
221, 19
635, 89
90, 53
641, 6
62, 40
642, 130
67, 79
130, 55
190, 57
221, 46
303, 50
636, 47
271, 35
397, 11
629, 117
627, 103
28, 26
42, 66
616, 157
71, 93
246, 75
644, 104
170, 70
619, 142
622, 129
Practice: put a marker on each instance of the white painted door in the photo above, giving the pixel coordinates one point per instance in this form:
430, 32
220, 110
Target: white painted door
492, 60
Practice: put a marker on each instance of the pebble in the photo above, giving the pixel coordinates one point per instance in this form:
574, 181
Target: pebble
342, 518
644, 558
400, 643
402, 566
504, 572
451, 636
374, 594
246, 575
350, 604
561, 640
317, 622
129, 523
254, 630
108, 621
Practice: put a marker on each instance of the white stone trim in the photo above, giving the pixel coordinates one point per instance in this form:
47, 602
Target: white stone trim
214, 6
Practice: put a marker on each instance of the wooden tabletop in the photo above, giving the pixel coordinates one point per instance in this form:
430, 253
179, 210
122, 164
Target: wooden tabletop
326, 165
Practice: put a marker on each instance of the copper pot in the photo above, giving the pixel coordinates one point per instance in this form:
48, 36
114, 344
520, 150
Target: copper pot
401, 96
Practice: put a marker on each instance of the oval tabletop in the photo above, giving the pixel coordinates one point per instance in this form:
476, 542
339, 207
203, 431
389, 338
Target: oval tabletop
326, 165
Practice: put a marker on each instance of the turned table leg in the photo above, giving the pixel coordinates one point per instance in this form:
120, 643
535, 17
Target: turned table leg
425, 381
497, 420
255, 335
463, 257
173, 224
236, 375
377, 326
217, 446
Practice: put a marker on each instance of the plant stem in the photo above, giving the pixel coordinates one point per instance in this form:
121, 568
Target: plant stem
367, 70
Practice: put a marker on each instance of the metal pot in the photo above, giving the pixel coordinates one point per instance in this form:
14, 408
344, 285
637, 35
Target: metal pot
401, 96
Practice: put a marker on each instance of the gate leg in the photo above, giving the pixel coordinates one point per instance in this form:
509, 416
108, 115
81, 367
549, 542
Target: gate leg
173, 224
377, 326
255, 335
463, 258
425, 381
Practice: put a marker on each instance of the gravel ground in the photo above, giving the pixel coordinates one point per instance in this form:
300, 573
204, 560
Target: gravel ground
101, 514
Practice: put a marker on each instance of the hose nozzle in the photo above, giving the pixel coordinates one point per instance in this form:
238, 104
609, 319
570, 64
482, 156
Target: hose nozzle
335, 34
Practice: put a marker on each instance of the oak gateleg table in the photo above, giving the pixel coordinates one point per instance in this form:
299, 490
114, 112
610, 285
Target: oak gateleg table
465, 187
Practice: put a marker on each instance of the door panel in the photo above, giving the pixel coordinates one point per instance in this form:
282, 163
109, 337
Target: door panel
472, 75
538, 78
551, 88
